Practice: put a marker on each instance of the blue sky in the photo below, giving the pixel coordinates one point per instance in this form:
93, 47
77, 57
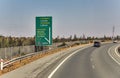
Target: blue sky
89, 17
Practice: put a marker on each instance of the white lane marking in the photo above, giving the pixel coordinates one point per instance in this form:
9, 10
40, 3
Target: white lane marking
93, 66
113, 57
53, 72
117, 51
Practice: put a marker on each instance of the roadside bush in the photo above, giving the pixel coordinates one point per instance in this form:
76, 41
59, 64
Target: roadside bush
63, 44
22, 54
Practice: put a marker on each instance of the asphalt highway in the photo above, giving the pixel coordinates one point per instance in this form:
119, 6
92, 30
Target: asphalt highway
92, 62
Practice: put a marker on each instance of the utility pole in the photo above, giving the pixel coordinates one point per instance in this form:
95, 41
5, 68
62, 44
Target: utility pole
113, 33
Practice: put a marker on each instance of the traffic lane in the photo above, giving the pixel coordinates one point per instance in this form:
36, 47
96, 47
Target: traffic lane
77, 66
104, 65
98, 64
113, 52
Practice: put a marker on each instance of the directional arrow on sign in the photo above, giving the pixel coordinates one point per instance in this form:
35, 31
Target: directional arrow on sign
49, 37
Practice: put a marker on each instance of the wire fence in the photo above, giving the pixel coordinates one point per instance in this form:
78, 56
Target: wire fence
12, 52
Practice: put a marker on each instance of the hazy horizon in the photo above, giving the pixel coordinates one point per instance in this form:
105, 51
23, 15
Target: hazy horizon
89, 17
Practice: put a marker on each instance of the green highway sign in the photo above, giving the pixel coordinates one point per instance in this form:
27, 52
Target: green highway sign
43, 31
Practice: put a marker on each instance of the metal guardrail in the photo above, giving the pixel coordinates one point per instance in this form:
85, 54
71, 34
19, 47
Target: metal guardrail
17, 59
5, 64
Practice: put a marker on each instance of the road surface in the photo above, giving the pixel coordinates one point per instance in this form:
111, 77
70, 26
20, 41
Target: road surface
92, 62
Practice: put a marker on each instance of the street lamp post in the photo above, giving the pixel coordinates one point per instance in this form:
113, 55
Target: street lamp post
113, 33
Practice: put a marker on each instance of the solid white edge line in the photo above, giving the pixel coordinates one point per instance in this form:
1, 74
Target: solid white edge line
116, 51
112, 56
53, 72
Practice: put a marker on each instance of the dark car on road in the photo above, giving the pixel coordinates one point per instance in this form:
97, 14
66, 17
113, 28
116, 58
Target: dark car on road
97, 44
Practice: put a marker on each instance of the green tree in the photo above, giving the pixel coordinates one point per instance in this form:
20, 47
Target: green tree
6, 42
